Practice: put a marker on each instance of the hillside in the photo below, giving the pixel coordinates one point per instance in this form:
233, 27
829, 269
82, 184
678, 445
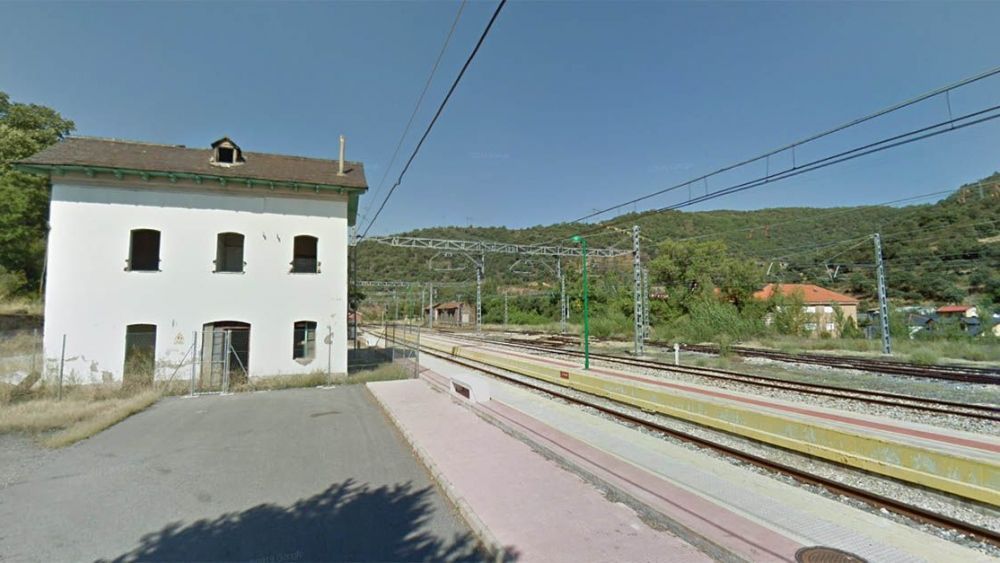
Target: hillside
948, 251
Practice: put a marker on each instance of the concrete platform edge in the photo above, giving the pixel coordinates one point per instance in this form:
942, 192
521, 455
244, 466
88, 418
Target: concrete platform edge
479, 529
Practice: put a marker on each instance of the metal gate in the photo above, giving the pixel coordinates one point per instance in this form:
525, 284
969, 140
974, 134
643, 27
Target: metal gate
225, 357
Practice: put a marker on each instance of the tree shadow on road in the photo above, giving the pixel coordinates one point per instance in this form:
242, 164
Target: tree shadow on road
346, 522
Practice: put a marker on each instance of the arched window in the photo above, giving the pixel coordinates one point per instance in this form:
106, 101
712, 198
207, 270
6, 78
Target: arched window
304, 255
144, 250
304, 340
229, 252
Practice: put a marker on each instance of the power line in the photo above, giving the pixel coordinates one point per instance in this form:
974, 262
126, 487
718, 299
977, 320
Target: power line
416, 107
437, 114
919, 134
796, 144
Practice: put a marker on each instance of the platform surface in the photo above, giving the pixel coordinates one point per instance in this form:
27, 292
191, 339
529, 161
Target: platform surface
533, 507
751, 515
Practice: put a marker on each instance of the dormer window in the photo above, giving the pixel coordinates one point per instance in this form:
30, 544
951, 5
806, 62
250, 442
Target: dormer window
226, 153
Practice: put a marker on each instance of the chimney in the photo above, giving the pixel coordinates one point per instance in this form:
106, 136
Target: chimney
340, 168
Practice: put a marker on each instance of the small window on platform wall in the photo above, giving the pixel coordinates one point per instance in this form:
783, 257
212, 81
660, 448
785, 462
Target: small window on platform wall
304, 341
144, 251
229, 253
304, 255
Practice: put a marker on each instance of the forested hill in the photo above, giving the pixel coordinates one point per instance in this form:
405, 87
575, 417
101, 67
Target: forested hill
948, 251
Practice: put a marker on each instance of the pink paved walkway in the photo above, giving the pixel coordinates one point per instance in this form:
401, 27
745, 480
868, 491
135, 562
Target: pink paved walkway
528, 503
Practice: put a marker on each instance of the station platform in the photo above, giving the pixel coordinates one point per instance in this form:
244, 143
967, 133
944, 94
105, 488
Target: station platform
962, 463
687, 499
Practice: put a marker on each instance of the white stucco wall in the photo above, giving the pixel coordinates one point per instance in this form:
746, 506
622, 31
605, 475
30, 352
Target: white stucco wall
91, 298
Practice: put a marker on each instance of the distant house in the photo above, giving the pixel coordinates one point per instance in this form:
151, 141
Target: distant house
958, 311
452, 313
816, 301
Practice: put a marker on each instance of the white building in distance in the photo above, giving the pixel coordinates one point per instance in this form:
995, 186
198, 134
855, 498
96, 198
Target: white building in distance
160, 253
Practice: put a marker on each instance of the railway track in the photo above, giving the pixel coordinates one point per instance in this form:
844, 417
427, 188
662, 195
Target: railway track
966, 374
950, 373
971, 410
872, 499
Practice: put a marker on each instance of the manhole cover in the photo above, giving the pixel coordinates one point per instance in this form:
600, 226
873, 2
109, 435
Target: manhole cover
820, 554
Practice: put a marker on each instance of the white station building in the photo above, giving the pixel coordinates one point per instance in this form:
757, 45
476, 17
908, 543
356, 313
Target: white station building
158, 254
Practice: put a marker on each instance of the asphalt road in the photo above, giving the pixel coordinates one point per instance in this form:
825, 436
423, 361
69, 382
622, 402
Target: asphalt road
284, 476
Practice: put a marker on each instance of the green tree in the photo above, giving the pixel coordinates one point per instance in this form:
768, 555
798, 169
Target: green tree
24, 198
695, 270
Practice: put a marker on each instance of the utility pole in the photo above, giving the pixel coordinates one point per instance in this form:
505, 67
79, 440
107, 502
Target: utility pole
430, 305
505, 310
883, 302
586, 303
479, 293
637, 293
395, 302
645, 304
352, 301
562, 296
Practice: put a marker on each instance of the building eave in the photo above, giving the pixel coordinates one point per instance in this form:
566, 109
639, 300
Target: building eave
353, 193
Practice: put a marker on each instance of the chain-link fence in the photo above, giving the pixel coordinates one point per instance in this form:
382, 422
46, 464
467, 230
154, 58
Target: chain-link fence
391, 344
21, 360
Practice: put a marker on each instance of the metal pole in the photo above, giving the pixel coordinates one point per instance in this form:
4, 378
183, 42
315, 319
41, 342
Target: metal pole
637, 298
395, 302
565, 304
479, 293
677, 354
352, 302
430, 308
62, 361
505, 310
416, 354
883, 302
645, 303
227, 344
586, 311
194, 358
423, 294
586, 304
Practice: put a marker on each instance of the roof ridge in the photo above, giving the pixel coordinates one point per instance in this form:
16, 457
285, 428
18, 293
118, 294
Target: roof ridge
124, 141
208, 148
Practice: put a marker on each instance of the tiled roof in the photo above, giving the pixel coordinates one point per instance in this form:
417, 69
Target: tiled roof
953, 309
132, 155
811, 294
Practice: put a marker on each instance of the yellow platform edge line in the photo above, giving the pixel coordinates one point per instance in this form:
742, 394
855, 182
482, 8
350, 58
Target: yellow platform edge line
971, 478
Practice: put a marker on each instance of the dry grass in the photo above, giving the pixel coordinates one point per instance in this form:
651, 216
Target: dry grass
21, 306
275, 382
78, 416
386, 372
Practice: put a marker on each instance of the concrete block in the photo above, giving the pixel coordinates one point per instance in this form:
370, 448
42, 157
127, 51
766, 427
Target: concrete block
470, 387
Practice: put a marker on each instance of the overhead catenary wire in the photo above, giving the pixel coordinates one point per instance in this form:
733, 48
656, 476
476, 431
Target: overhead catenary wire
922, 133
793, 145
416, 107
437, 114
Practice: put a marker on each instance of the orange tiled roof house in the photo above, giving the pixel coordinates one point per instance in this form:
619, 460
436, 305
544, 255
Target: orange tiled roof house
817, 302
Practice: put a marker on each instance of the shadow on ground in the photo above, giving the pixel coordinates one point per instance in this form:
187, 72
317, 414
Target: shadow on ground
346, 522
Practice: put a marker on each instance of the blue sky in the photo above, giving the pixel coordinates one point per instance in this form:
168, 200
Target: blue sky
568, 107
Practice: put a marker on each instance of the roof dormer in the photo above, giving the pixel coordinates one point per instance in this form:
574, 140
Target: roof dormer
226, 153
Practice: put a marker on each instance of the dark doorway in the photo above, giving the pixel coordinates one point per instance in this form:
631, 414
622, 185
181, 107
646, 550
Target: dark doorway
219, 365
140, 355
